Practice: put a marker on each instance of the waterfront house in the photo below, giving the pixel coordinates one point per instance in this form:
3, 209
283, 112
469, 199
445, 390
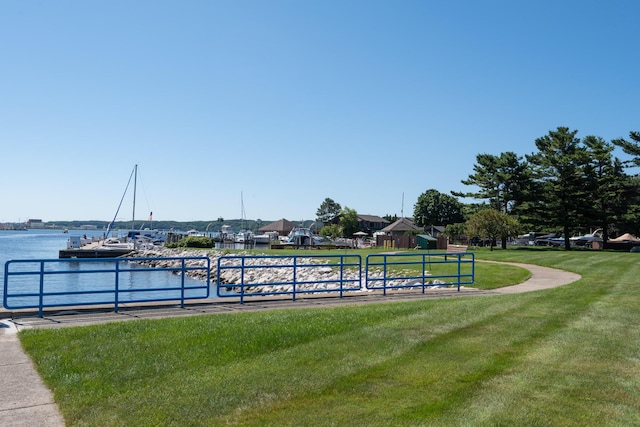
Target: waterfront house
282, 226
367, 223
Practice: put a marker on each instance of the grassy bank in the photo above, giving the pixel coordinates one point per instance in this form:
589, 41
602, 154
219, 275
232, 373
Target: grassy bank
565, 356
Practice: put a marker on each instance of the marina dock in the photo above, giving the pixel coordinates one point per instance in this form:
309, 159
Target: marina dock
93, 250
92, 253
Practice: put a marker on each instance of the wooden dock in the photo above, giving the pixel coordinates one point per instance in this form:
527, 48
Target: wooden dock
92, 253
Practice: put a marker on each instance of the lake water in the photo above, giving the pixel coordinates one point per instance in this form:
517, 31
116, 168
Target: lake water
45, 244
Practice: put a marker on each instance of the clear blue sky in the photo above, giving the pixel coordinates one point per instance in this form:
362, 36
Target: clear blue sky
291, 102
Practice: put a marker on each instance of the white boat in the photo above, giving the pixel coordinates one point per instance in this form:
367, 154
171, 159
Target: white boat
265, 238
245, 236
587, 239
115, 243
302, 236
134, 239
147, 235
227, 234
130, 242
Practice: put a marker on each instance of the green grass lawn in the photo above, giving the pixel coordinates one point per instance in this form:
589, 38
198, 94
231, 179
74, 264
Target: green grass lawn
564, 356
486, 276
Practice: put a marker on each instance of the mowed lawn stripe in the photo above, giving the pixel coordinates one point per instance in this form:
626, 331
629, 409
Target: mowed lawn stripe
556, 357
442, 371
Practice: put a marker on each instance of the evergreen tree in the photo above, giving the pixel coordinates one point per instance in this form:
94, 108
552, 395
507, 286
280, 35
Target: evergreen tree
630, 220
327, 211
560, 166
631, 148
504, 181
501, 179
606, 185
391, 218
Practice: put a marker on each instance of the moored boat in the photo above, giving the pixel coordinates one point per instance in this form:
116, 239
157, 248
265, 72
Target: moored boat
302, 236
244, 236
265, 238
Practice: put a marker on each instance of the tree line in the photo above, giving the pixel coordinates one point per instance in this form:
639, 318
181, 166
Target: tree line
569, 184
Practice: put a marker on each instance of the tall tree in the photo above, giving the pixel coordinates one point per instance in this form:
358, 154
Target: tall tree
334, 231
501, 180
632, 147
328, 210
492, 224
349, 221
504, 181
606, 184
560, 165
435, 208
631, 218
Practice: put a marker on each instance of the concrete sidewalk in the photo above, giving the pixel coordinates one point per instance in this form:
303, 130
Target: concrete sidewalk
541, 278
28, 402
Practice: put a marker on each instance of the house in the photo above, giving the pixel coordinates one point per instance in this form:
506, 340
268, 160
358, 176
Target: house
371, 223
401, 227
282, 226
368, 223
400, 234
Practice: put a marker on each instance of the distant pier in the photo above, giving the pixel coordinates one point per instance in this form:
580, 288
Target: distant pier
92, 253
93, 250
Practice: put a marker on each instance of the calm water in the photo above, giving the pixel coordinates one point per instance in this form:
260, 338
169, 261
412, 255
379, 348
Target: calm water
45, 244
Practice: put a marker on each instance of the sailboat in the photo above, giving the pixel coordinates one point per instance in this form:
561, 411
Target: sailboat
135, 239
243, 236
110, 246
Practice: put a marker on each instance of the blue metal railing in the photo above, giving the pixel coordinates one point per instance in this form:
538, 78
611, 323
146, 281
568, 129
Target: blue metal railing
385, 271
244, 275
37, 283
56, 282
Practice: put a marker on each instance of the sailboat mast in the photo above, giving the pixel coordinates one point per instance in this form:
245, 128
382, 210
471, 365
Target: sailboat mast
135, 182
241, 211
133, 172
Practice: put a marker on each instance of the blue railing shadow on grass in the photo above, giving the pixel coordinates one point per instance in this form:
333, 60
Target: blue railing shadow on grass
45, 283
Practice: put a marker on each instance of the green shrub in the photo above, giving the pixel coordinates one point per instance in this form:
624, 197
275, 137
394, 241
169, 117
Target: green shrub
193, 242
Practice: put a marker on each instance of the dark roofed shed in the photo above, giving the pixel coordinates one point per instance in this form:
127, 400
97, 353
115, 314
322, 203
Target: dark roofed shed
282, 226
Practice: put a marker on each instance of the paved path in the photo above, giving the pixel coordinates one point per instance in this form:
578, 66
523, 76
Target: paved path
27, 401
541, 278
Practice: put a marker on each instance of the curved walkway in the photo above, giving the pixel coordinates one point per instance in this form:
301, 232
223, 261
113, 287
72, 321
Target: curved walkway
28, 402
541, 278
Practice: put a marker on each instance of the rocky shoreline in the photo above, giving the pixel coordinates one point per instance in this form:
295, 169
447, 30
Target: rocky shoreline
257, 280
